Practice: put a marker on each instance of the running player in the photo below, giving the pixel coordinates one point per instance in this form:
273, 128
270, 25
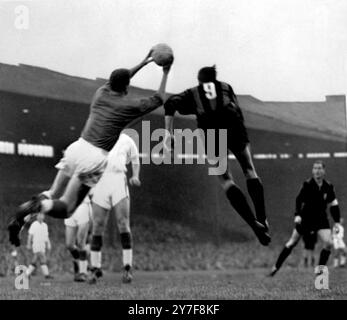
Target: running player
38, 242
112, 194
315, 196
85, 159
216, 107
76, 233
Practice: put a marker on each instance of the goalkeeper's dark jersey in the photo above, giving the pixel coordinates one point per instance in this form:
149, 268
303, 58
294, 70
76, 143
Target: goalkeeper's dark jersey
111, 112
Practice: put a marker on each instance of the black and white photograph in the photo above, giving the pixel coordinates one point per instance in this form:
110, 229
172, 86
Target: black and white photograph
191, 151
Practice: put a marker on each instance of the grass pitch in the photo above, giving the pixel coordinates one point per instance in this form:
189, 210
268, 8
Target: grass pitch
289, 283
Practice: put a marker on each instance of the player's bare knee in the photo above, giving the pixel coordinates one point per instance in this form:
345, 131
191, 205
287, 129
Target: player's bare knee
98, 227
69, 245
291, 243
123, 228
250, 174
123, 225
226, 181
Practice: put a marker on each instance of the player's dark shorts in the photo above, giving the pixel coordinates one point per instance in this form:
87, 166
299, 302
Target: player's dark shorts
307, 227
233, 122
310, 240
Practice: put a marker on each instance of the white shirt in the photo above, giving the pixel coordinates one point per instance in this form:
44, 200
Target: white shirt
39, 232
124, 152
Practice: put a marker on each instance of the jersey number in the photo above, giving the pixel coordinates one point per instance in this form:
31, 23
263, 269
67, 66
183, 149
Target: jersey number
210, 90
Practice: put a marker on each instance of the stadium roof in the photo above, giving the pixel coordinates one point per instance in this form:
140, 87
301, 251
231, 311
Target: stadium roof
322, 119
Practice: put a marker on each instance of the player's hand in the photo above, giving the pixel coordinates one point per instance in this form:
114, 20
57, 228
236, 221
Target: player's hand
148, 58
135, 181
166, 68
297, 220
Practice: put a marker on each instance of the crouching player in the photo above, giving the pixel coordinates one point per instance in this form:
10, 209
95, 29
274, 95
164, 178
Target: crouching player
340, 250
111, 194
76, 233
38, 242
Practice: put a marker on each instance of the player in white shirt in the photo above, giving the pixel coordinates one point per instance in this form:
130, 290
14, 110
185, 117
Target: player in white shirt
76, 233
340, 251
111, 194
38, 242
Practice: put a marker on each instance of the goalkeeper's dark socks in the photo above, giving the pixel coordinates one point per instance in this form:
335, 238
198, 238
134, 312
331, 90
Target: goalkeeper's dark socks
29, 207
283, 256
324, 257
256, 192
239, 202
55, 209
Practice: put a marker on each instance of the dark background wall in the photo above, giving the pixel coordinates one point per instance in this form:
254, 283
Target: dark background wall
183, 193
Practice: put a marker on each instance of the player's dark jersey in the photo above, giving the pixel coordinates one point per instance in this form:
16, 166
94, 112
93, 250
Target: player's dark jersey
111, 112
211, 103
215, 106
312, 202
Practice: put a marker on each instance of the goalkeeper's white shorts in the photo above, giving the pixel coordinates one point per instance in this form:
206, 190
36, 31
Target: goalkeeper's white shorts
84, 160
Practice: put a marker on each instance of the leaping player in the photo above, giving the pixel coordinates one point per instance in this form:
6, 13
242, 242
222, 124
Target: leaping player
215, 106
85, 159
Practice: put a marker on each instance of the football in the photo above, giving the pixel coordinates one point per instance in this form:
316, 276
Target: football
162, 54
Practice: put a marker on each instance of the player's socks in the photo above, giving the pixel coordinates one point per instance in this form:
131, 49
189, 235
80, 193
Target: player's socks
75, 255
239, 202
83, 263
324, 257
283, 256
31, 206
30, 270
95, 259
55, 208
342, 261
256, 192
306, 262
126, 241
95, 253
